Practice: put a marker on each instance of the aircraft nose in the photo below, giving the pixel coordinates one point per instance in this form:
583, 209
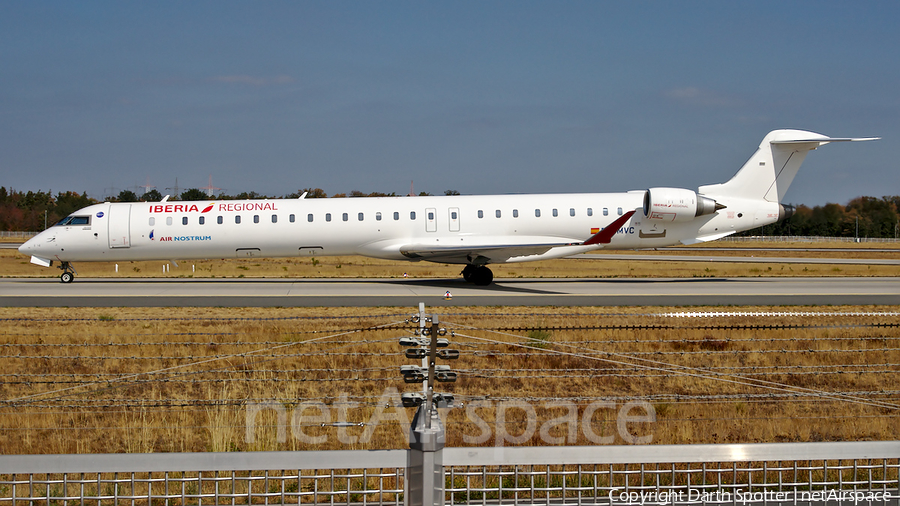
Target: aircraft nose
38, 244
27, 246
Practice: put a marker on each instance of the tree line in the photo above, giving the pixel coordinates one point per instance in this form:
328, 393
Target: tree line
861, 217
874, 217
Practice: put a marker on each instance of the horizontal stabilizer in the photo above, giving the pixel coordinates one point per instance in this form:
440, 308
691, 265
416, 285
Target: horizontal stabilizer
826, 140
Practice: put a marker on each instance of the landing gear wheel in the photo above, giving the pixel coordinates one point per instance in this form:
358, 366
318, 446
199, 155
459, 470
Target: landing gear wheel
468, 271
68, 274
482, 276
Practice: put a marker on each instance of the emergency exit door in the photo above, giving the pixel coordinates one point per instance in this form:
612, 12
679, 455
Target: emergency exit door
454, 219
430, 220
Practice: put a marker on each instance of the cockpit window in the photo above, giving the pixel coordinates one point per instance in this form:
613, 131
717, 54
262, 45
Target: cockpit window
70, 221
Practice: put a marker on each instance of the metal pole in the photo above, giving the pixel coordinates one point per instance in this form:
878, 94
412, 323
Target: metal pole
421, 333
425, 461
432, 357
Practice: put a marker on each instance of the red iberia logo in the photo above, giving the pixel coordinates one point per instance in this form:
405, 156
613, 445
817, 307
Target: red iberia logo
179, 208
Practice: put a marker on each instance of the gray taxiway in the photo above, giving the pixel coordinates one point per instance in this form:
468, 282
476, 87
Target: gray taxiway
85, 292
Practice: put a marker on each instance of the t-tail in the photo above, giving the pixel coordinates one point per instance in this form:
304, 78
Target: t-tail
769, 172
751, 199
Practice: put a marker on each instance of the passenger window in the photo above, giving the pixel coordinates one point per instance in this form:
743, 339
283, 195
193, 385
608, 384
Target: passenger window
605, 212
291, 218
345, 216
396, 216
412, 215
497, 213
590, 211
152, 221
168, 220
255, 218
360, 216
480, 213
219, 220
202, 220
309, 217
184, 220
619, 211
571, 211
454, 215
377, 216
430, 216
515, 213
274, 218
237, 219
555, 213
327, 216
537, 213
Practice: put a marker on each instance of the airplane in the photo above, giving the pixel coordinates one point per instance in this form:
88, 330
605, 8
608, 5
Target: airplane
473, 231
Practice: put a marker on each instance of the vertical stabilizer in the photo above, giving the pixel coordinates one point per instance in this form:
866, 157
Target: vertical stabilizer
770, 171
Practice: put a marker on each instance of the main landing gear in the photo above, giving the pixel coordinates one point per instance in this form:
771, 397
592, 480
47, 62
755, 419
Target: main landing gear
478, 274
68, 274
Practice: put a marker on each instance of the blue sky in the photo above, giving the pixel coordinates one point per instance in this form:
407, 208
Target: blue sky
479, 97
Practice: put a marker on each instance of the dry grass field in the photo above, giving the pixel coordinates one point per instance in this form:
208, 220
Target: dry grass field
191, 379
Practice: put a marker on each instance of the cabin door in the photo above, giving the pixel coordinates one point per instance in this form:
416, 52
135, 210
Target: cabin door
119, 225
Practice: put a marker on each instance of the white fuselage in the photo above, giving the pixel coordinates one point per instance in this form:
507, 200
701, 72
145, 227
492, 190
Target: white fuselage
471, 230
384, 227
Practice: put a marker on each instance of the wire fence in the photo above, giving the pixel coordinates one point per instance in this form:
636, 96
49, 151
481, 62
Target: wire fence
17, 235
787, 473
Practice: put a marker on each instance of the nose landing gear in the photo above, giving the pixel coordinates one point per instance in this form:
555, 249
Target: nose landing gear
68, 274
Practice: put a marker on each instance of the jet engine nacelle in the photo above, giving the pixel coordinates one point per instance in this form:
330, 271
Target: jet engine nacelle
677, 204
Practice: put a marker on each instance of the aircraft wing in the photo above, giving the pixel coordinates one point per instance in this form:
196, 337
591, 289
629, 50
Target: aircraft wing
507, 249
497, 252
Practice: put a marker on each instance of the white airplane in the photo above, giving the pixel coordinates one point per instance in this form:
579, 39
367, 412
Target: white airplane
470, 230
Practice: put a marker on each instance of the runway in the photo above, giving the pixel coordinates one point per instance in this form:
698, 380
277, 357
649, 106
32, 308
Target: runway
87, 292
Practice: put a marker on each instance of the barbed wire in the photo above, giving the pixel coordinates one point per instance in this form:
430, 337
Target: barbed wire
177, 343
172, 368
111, 320
293, 375
621, 368
695, 372
463, 352
726, 340
394, 424
100, 406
